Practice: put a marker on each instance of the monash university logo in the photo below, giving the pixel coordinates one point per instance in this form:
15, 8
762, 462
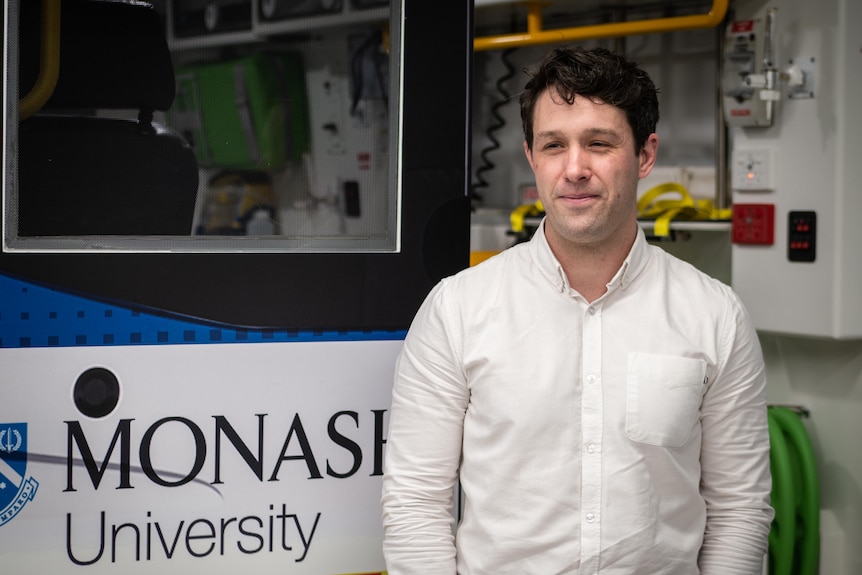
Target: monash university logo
15, 488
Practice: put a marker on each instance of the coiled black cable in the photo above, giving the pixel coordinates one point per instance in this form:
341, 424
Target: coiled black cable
499, 122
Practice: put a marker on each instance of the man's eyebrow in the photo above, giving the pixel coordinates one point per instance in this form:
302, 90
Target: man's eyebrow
607, 132
549, 134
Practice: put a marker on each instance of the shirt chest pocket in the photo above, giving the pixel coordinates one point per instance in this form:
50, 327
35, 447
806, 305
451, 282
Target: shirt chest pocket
663, 395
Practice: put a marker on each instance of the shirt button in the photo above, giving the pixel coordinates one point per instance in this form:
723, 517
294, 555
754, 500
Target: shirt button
591, 448
590, 517
591, 311
591, 378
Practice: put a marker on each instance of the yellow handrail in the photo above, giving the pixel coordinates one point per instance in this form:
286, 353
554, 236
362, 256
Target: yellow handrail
49, 62
536, 35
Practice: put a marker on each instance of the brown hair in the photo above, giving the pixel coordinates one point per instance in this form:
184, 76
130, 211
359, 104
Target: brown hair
594, 73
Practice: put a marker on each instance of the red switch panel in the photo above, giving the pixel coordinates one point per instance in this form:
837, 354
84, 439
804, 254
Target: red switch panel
753, 224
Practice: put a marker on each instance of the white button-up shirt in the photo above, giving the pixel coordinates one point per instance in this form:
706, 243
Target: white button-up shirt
626, 436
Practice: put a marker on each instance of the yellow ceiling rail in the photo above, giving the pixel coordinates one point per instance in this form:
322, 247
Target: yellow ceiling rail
536, 35
49, 62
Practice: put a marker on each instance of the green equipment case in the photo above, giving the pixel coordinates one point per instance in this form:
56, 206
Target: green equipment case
247, 113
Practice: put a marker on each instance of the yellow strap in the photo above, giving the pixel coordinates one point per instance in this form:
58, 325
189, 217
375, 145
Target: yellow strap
683, 207
516, 218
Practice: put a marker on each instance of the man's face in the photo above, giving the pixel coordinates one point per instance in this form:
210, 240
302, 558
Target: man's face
586, 170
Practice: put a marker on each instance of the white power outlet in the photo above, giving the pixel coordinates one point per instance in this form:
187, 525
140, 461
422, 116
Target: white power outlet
752, 170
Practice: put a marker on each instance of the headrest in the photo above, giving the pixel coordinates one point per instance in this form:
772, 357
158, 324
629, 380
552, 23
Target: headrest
113, 54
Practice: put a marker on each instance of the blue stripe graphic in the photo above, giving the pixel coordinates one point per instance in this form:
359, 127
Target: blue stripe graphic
36, 316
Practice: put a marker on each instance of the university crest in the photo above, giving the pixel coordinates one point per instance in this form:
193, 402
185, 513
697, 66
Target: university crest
16, 489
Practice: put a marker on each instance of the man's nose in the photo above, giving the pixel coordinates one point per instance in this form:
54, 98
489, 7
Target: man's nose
577, 164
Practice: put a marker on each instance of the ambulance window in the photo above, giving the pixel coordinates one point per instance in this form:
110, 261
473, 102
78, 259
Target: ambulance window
203, 126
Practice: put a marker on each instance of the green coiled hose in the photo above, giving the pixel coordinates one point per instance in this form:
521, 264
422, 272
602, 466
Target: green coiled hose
794, 541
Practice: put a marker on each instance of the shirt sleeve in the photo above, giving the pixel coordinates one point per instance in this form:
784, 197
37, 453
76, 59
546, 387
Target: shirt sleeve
423, 450
735, 473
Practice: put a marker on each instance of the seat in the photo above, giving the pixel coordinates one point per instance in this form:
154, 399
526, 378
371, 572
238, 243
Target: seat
91, 160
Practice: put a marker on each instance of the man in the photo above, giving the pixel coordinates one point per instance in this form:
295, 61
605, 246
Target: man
601, 403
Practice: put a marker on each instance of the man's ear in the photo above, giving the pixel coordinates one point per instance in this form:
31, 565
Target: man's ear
528, 153
647, 155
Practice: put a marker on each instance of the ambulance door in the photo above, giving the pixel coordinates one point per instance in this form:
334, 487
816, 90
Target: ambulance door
219, 218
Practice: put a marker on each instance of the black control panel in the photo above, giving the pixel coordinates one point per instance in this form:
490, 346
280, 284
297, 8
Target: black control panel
802, 236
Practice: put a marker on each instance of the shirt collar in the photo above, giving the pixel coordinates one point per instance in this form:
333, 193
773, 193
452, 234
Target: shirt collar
553, 271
